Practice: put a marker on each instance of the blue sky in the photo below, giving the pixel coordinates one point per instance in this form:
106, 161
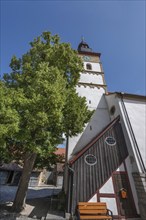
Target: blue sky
116, 29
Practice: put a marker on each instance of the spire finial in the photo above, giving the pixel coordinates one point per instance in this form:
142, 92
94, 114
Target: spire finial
82, 38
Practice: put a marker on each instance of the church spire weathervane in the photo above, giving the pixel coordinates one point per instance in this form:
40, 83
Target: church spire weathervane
82, 38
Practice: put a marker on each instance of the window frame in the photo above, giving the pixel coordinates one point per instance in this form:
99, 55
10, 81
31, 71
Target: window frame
90, 164
110, 143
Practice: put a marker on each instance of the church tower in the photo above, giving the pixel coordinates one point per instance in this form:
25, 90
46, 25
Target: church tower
92, 83
92, 86
106, 161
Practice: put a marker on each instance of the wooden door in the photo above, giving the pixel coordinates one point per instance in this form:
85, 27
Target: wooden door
125, 203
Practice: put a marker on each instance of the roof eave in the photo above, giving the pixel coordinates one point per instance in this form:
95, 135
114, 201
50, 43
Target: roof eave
127, 95
90, 53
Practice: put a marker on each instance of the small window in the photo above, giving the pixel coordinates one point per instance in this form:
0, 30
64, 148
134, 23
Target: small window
110, 141
88, 66
112, 110
90, 159
89, 101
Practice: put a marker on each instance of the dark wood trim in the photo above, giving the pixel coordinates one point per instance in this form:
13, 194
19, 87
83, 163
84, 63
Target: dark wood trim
89, 53
118, 208
129, 186
94, 140
132, 198
119, 172
107, 195
98, 197
89, 179
128, 182
103, 195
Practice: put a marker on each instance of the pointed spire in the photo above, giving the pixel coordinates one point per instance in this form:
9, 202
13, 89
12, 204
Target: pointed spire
83, 46
82, 38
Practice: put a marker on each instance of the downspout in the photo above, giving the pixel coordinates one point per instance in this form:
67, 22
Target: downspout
139, 157
71, 188
68, 180
65, 179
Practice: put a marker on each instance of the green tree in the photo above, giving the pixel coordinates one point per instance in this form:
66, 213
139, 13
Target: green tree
9, 119
46, 102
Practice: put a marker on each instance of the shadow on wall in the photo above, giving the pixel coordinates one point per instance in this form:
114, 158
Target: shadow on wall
140, 183
98, 121
50, 179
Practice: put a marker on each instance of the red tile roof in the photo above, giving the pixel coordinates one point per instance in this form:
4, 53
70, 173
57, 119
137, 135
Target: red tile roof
60, 151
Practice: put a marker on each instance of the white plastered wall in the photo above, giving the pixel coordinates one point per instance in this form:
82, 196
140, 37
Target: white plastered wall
91, 87
107, 187
93, 95
95, 66
99, 121
93, 199
135, 111
113, 100
111, 204
91, 78
137, 114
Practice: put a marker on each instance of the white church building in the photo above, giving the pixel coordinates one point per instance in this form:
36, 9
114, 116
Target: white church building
109, 157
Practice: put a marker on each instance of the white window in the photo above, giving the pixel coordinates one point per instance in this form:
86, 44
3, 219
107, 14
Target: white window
110, 141
90, 159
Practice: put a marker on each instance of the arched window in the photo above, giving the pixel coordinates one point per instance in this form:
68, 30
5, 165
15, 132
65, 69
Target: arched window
88, 66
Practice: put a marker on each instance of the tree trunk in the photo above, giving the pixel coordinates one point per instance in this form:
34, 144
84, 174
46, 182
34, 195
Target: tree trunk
19, 201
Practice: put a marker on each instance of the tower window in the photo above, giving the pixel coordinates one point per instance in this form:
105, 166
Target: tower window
88, 66
112, 110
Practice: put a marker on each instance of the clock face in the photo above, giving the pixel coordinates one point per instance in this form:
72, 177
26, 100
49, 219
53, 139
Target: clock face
86, 58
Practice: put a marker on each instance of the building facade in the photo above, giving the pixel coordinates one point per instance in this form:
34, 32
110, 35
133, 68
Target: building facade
107, 162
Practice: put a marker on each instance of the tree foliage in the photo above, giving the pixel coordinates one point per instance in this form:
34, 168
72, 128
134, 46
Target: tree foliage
9, 119
47, 103
44, 103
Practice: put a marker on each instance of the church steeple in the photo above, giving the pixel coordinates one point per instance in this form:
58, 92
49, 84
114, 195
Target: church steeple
92, 86
83, 46
91, 83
